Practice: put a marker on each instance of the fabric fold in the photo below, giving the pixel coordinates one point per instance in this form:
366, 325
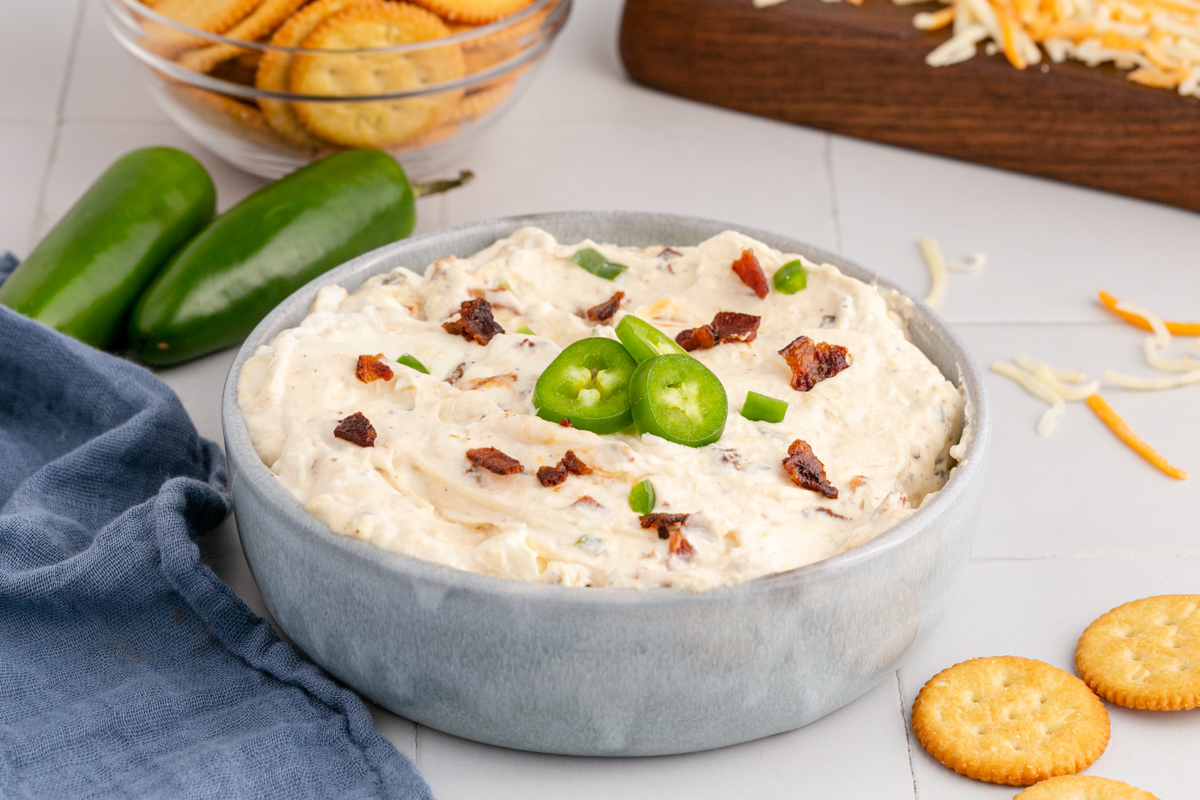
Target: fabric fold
127, 668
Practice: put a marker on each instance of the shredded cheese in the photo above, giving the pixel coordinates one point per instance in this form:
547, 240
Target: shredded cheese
937, 270
1152, 384
1031, 364
1067, 392
1118, 426
1176, 328
1156, 41
1039, 390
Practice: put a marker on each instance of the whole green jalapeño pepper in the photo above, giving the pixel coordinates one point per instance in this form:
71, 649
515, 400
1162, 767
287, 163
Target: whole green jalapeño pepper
678, 398
250, 258
587, 384
86, 275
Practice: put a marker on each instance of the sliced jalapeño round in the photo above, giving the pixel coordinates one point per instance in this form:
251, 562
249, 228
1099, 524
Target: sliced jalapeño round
587, 384
678, 398
643, 340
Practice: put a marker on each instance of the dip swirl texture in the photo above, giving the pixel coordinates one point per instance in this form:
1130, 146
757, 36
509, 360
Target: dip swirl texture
883, 428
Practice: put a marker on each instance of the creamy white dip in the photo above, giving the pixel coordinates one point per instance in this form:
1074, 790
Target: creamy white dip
883, 427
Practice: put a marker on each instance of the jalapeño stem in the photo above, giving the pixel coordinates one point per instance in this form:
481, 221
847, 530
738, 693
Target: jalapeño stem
465, 176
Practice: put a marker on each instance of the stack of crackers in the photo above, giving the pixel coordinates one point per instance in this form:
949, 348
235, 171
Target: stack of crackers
361, 48
1017, 721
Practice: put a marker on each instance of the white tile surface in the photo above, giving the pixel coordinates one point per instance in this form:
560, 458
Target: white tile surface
1050, 246
1081, 491
24, 154
106, 82
35, 48
812, 762
1038, 609
752, 172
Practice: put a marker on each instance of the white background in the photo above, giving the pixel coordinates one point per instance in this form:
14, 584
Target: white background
1075, 524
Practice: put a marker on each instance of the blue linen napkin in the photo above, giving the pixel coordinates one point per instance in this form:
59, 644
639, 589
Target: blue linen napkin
127, 669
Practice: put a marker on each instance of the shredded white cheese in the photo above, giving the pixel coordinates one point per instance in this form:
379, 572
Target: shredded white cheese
1152, 384
1037, 389
1031, 364
937, 270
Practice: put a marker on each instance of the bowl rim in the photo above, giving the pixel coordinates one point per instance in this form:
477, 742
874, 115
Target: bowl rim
479, 32
549, 28
242, 455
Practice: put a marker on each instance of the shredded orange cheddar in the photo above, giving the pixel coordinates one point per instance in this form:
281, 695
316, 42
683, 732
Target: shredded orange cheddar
1118, 426
1156, 78
1004, 15
1177, 328
937, 20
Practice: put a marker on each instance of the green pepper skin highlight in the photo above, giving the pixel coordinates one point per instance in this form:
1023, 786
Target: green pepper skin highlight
86, 275
249, 259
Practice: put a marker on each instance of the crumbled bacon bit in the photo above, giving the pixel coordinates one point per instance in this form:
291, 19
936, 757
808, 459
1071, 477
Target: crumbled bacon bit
734, 327
806, 469
566, 423
356, 429
588, 502
474, 321
750, 271
573, 465
370, 368
569, 464
830, 512
669, 252
456, 375
812, 362
551, 476
494, 460
700, 338
605, 311
726, 327
681, 547
664, 523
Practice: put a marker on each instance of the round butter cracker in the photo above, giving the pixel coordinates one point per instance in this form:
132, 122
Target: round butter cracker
211, 16
473, 12
1083, 787
276, 65
381, 123
1145, 654
1010, 720
260, 22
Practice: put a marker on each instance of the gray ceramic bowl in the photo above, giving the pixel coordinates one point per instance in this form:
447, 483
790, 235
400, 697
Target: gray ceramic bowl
601, 671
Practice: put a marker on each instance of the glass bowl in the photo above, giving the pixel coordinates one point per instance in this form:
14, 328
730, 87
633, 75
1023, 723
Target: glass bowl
272, 108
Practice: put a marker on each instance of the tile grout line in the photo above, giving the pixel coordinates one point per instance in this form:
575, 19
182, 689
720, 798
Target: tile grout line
39, 210
907, 736
835, 216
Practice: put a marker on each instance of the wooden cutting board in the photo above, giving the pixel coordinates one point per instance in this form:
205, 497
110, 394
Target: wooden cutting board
860, 71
